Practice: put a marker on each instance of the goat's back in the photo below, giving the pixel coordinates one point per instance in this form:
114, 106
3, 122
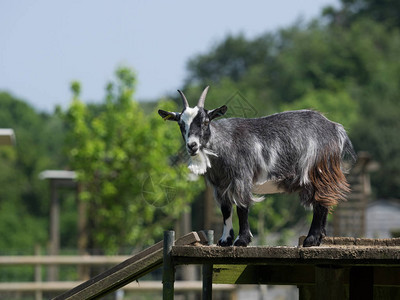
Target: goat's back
294, 148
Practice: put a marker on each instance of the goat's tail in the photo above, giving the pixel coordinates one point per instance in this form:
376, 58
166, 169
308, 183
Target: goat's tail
330, 184
327, 175
348, 155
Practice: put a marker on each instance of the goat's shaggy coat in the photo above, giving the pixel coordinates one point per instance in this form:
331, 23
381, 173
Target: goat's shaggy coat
295, 151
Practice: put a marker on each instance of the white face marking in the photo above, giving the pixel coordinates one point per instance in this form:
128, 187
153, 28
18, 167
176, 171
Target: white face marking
199, 162
187, 118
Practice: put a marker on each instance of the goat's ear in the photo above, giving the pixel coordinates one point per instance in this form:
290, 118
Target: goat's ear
170, 116
218, 112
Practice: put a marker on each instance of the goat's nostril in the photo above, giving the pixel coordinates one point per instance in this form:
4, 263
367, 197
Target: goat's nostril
192, 146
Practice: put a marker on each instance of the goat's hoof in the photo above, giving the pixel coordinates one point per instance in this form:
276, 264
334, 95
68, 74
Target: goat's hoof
312, 240
242, 241
225, 243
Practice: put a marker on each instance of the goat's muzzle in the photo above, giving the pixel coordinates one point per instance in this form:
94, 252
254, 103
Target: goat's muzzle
192, 148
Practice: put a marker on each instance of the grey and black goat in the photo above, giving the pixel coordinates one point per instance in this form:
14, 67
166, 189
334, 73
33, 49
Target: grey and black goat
294, 151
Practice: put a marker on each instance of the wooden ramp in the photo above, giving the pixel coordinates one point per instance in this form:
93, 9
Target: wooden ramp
127, 271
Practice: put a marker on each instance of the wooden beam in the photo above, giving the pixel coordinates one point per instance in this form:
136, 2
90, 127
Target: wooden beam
62, 260
386, 276
168, 278
139, 287
361, 283
332, 255
329, 282
264, 274
207, 271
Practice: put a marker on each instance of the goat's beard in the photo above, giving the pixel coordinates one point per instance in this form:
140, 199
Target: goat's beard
199, 163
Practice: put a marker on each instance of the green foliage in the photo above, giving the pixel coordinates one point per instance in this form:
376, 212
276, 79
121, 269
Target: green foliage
24, 197
24, 203
384, 12
339, 106
122, 157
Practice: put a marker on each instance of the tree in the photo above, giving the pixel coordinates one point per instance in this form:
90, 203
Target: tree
123, 161
24, 197
384, 12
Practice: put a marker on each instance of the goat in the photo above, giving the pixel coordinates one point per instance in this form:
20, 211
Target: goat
293, 151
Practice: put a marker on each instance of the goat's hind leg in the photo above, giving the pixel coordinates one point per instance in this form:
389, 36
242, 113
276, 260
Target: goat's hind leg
317, 229
244, 237
228, 234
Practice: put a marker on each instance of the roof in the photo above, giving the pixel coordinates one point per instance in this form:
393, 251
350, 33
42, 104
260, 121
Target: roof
7, 136
57, 174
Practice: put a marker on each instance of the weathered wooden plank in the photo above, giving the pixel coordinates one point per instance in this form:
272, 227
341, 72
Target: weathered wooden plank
203, 237
387, 276
114, 278
293, 275
385, 293
127, 271
188, 239
351, 241
263, 274
348, 255
361, 283
139, 287
329, 283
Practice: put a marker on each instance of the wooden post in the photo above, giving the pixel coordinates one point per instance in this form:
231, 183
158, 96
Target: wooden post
208, 271
38, 274
329, 283
209, 205
306, 292
54, 229
168, 266
361, 283
83, 271
188, 272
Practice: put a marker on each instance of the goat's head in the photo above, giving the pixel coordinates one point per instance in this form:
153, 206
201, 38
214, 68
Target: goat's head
194, 122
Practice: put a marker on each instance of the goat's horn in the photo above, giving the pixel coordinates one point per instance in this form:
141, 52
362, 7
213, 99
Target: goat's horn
184, 100
203, 97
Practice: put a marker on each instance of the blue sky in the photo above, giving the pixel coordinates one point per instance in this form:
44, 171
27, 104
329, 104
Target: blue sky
44, 44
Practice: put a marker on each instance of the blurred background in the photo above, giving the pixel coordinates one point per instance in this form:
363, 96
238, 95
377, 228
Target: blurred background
93, 170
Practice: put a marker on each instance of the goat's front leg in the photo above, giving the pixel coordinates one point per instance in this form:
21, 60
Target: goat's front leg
227, 235
244, 237
317, 229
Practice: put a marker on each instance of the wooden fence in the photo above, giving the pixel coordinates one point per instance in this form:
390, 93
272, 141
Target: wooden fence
125, 270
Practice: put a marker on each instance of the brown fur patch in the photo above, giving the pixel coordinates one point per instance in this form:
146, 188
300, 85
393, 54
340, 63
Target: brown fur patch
329, 181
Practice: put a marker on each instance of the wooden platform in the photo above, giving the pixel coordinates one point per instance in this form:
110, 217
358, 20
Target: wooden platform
341, 268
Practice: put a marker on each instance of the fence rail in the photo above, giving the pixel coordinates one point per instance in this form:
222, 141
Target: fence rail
141, 286
126, 269
62, 260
